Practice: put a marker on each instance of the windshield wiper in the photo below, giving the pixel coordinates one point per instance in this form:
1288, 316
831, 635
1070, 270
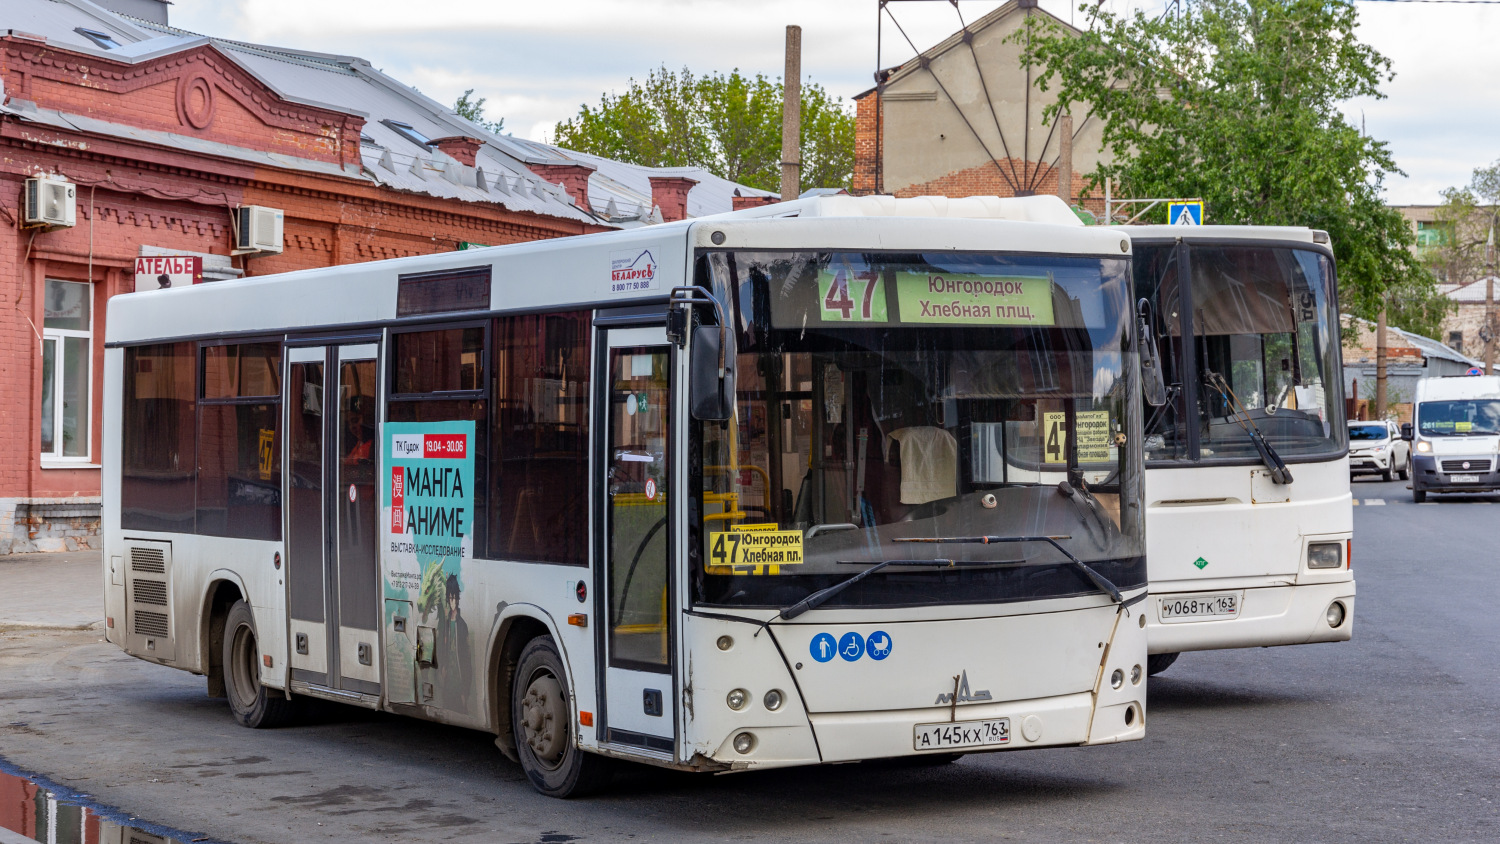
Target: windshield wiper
1279, 472
816, 599
1099, 580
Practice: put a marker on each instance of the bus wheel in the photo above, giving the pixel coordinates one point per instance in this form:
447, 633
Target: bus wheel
1418, 495
543, 721
253, 705
1157, 663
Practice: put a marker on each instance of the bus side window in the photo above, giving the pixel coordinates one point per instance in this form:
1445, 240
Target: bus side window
539, 459
159, 438
239, 441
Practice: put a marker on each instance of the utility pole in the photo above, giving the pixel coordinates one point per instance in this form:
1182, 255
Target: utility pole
1489, 305
791, 117
1378, 412
1065, 159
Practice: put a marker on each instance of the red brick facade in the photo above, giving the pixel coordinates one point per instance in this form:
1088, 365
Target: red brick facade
133, 192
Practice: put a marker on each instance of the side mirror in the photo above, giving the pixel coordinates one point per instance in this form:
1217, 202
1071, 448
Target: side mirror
1406, 433
711, 374
1153, 382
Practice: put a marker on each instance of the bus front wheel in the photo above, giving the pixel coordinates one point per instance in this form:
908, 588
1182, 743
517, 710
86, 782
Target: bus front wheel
1418, 495
253, 705
543, 720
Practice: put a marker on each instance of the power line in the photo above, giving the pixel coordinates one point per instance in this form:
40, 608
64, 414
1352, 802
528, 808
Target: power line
1450, 2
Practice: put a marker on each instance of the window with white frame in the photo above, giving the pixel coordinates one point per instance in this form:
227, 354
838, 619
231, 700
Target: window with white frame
67, 355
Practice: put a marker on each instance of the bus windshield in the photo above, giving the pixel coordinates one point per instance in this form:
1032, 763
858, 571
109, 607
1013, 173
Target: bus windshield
1263, 353
890, 397
1473, 417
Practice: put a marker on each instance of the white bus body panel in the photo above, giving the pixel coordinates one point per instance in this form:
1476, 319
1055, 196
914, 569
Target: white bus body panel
1252, 535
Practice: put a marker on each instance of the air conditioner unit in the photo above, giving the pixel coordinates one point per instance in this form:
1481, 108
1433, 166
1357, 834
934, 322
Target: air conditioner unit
51, 203
257, 229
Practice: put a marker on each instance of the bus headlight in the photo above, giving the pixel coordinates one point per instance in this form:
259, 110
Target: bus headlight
774, 699
1325, 555
1135, 676
744, 743
1424, 446
737, 699
1335, 614
1117, 679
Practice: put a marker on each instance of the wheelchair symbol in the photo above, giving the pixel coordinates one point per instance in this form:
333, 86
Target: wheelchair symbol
851, 646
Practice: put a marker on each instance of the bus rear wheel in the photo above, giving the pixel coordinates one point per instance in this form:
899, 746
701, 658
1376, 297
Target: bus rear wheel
1157, 663
543, 721
252, 704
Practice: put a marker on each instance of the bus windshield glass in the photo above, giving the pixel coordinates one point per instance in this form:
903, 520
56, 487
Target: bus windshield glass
1264, 351
884, 398
1473, 417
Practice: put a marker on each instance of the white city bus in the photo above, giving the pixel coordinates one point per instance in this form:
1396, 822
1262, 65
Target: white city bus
1250, 520
834, 480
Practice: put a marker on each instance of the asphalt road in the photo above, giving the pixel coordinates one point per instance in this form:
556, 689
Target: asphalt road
1390, 737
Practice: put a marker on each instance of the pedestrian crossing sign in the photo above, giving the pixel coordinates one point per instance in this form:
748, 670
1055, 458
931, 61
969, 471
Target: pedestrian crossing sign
1185, 213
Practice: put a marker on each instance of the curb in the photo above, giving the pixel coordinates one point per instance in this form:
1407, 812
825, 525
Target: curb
42, 625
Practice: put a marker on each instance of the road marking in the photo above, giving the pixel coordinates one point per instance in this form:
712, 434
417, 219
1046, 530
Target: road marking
1427, 504
1374, 502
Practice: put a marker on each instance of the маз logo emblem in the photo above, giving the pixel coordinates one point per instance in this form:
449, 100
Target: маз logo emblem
961, 693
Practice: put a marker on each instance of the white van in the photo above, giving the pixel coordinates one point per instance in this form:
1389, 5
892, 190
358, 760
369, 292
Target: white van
1456, 435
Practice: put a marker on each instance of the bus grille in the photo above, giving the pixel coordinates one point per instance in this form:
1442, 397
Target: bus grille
1458, 467
150, 592
148, 560
150, 623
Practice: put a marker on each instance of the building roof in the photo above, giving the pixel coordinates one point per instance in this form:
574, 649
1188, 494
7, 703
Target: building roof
619, 193
1428, 347
1470, 293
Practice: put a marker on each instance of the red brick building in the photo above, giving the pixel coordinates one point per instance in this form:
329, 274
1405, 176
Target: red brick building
160, 135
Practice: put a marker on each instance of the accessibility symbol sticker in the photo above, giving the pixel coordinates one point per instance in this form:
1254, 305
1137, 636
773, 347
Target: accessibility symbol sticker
822, 647
878, 646
851, 646
1200, 563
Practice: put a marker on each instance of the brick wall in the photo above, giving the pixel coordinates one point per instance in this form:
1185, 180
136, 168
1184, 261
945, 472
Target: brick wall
133, 194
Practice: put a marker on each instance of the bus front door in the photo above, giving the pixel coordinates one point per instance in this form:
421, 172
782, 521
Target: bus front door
332, 561
636, 584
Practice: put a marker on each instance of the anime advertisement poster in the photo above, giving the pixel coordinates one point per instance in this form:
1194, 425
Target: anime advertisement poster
427, 531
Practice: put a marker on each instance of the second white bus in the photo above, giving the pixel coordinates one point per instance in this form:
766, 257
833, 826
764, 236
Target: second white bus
1250, 518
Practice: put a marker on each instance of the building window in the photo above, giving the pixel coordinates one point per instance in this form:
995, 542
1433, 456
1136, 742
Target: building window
406, 131
1456, 341
67, 355
100, 39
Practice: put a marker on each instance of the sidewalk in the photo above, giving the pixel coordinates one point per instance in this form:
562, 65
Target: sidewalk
58, 591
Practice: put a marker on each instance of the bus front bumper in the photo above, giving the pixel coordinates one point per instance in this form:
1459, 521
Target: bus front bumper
1269, 615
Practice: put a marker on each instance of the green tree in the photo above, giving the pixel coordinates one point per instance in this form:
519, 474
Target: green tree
1237, 102
472, 109
728, 124
1458, 250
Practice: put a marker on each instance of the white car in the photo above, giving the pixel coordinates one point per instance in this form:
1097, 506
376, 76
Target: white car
1376, 447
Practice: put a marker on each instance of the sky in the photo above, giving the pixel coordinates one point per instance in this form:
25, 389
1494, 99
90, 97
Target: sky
538, 62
